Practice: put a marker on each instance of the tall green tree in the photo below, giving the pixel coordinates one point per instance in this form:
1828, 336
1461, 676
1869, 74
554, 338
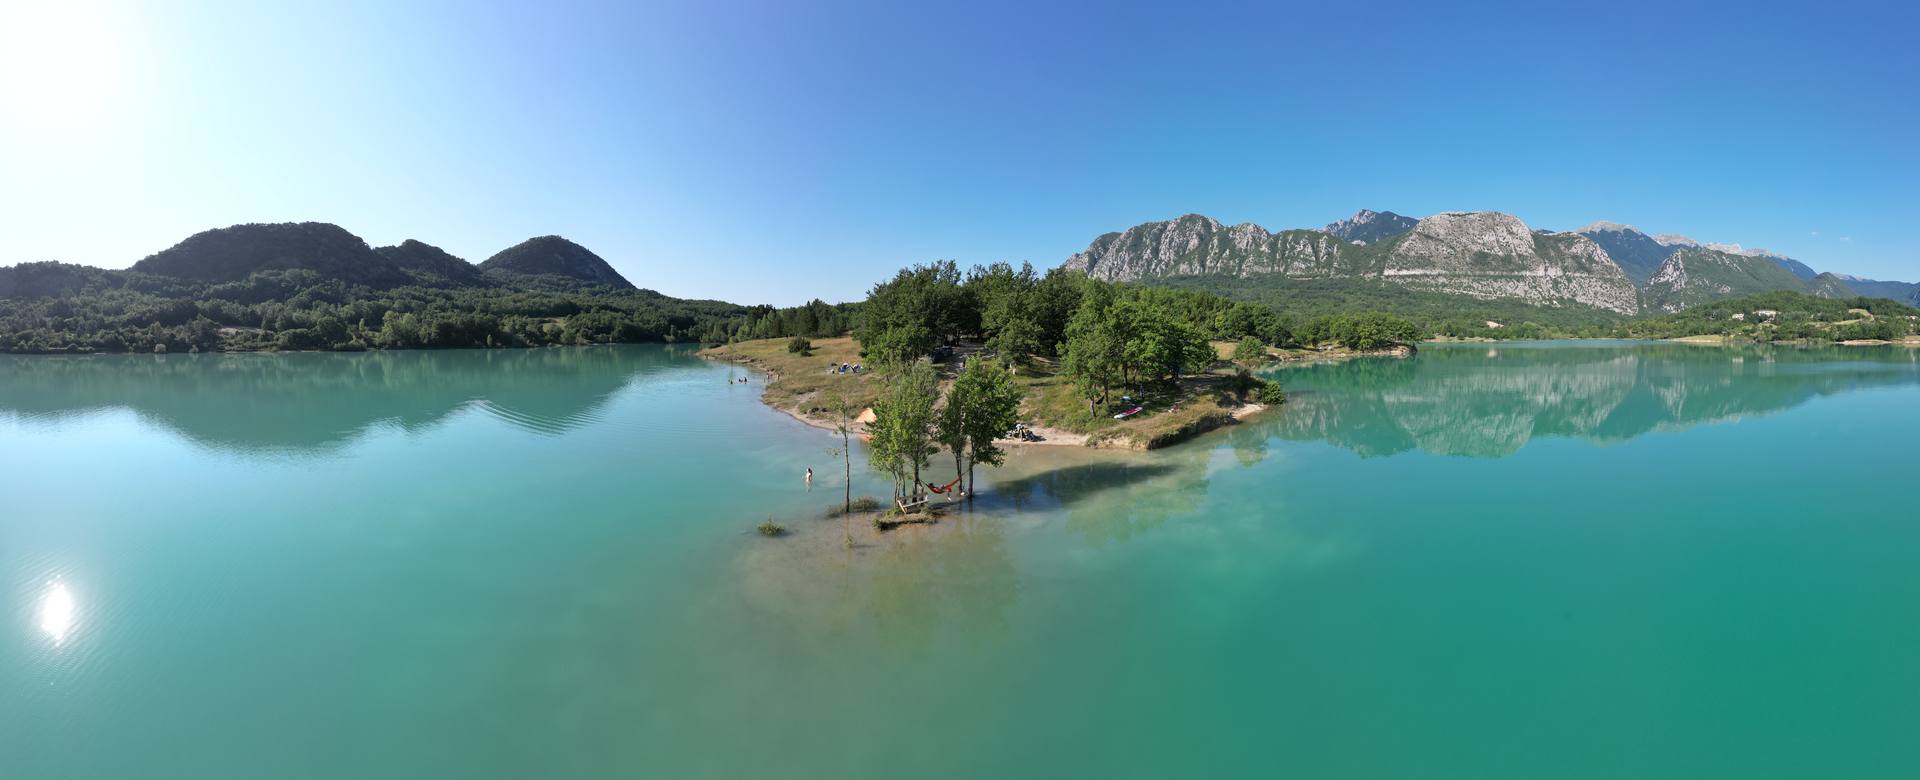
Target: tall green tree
950, 427
1007, 301
905, 317
1055, 298
1249, 351
903, 430
992, 402
1095, 347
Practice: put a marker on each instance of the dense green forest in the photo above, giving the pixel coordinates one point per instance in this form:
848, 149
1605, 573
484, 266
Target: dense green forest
57, 308
1785, 316
1797, 315
1017, 312
1433, 314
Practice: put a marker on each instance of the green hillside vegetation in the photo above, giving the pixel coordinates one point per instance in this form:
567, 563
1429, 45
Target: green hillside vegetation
314, 286
234, 253
1694, 276
432, 265
1874, 288
1786, 316
1830, 285
1637, 253
1432, 314
55, 308
555, 257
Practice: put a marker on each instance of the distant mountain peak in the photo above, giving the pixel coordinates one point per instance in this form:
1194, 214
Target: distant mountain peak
557, 256
1367, 226
1673, 239
1603, 226
1734, 249
1638, 254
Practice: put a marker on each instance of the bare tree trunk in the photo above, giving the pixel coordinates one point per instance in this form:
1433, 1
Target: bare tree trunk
970, 482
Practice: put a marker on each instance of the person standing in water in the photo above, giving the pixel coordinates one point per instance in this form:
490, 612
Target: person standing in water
809, 478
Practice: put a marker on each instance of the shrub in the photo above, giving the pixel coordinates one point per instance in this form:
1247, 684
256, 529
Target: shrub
1270, 392
799, 344
860, 504
1249, 350
1241, 383
771, 528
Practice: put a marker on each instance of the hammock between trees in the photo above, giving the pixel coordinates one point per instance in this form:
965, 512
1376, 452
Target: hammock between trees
943, 489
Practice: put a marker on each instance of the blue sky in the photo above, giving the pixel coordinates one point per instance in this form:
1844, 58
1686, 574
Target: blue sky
774, 152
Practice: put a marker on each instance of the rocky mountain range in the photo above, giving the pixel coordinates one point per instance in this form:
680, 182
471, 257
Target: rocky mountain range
1877, 288
1366, 227
1482, 255
1494, 255
1694, 275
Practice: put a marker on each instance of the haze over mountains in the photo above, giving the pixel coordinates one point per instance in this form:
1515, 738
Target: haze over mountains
1483, 255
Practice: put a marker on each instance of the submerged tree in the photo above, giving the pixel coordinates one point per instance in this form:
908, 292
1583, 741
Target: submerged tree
903, 426
992, 403
982, 405
843, 416
950, 427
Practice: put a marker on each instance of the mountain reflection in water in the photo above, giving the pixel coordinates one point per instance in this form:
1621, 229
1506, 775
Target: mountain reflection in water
309, 403
1490, 400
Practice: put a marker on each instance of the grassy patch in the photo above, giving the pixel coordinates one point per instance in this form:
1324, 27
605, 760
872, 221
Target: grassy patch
803, 385
801, 381
861, 505
1167, 413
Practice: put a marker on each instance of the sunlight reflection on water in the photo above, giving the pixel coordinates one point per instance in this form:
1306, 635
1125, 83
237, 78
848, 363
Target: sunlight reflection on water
57, 612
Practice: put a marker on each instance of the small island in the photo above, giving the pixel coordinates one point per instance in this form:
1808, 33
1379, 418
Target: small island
1090, 363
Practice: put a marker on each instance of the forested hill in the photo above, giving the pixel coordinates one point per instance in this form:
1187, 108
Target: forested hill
429, 263
557, 257
1783, 315
316, 286
230, 254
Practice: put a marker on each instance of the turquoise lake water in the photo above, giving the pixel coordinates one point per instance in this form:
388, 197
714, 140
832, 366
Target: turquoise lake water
1558, 560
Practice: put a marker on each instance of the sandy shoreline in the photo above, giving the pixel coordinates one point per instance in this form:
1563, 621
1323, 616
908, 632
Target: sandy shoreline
1049, 437
802, 400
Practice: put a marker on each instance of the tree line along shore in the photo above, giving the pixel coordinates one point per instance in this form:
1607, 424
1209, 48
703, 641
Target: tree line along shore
237, 305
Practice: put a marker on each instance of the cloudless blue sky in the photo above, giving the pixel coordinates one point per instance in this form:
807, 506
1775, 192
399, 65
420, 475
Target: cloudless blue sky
778, 151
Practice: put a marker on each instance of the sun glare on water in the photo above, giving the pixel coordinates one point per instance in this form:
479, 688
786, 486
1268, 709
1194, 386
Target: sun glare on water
56, 612
58, 62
